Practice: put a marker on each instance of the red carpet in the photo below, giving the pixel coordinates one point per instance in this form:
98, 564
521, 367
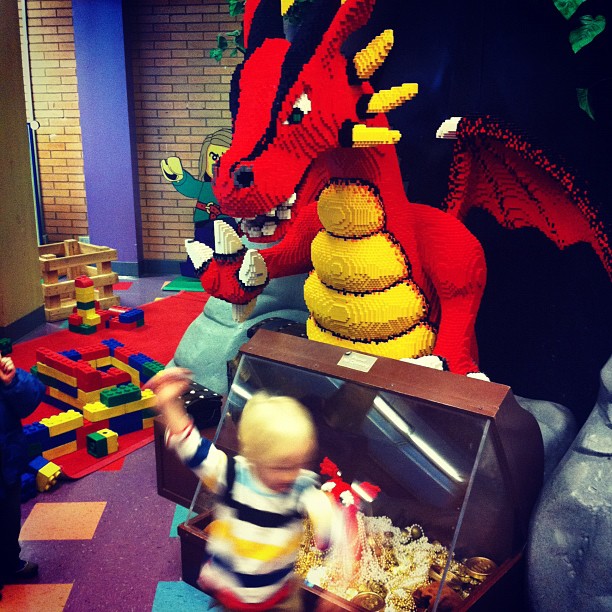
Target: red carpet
165, 323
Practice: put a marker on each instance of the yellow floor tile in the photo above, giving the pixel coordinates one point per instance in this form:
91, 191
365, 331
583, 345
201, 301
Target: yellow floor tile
62, 521
35, 597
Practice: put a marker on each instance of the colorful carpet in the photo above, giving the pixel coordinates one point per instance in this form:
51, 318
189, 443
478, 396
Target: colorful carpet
165, 323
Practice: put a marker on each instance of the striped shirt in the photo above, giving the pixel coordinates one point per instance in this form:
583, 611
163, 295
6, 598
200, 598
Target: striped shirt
255, 536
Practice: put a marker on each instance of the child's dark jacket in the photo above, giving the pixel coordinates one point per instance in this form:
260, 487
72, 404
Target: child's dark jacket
17, 401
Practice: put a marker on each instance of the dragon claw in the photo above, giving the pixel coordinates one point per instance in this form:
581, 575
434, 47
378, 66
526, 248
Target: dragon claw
199, 253
227, 241
241, 312
429, 361
253, 271
478, 376
448, 129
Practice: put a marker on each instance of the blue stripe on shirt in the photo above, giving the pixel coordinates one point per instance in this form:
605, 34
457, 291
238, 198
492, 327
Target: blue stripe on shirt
253, 581
262, 518
200, 454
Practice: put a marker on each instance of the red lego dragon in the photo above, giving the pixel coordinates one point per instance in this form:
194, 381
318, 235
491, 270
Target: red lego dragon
313, 169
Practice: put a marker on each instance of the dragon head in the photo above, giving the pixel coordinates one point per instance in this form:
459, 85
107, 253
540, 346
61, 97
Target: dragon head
294, 102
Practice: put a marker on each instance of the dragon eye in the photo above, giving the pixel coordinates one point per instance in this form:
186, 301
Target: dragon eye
301, 108
214, 156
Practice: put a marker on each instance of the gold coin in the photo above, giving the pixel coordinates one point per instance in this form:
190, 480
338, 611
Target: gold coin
369, 601
480, 567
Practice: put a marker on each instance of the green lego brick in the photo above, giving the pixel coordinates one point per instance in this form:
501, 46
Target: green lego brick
123, 394
83, 329
86, 305
6, 346
151, 368
97, 445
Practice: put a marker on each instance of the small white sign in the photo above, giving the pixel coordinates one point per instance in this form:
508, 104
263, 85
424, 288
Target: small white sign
357, 361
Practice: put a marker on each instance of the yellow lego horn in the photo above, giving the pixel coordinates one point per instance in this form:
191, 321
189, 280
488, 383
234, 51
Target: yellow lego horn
368, 60
364, 136
388, 99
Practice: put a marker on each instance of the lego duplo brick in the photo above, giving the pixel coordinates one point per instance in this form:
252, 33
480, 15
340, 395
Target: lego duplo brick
88, 428
150, 369
133, 372
53, 383
97, 411
112, 439
72, 354
61, 423
6, 346
126, 423
85, 306
88, 378
43, 368
112, 344
121, 394
102, 443
83, 281
37, 437
148, 400
67, 401
60, 451
132, 316
28, 487
46, 473
83, 329
115, 323
94, 351
137, 360
115, 376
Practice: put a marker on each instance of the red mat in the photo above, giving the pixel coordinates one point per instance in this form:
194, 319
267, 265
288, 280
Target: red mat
122, 286
165, 323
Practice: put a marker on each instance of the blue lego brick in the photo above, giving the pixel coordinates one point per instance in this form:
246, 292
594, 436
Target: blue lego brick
35, 432
57, 403
37, 464
138, 360
126, 423
72, 354
28, 487
58, 384
131, 316
65, 438
112, 345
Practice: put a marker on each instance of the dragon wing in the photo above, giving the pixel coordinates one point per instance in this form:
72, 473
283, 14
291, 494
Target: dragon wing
544, 324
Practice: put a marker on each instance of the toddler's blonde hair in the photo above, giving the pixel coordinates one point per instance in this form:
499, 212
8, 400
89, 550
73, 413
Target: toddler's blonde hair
272, 426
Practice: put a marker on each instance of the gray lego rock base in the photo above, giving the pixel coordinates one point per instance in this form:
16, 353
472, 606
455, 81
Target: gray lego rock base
569, 552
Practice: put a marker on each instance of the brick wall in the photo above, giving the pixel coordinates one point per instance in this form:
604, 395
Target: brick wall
180, 95
55, 102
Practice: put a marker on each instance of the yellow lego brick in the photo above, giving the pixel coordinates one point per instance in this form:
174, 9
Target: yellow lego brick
147, 423
92, 318
148, 400
85, 294
134, 374
86, 313
60, 451
75, 402
47, 476
63, 422
91, 396
53, 373
112, 440
103, 362
97, 411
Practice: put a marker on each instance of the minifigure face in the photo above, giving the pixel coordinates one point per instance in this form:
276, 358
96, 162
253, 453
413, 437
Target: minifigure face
213, 155
280, 473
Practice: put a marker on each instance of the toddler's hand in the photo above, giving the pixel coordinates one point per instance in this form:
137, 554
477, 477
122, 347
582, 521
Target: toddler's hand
168, 385
7, 370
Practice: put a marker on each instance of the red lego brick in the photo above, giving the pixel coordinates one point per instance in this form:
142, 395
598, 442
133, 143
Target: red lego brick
83, 281
75, 319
